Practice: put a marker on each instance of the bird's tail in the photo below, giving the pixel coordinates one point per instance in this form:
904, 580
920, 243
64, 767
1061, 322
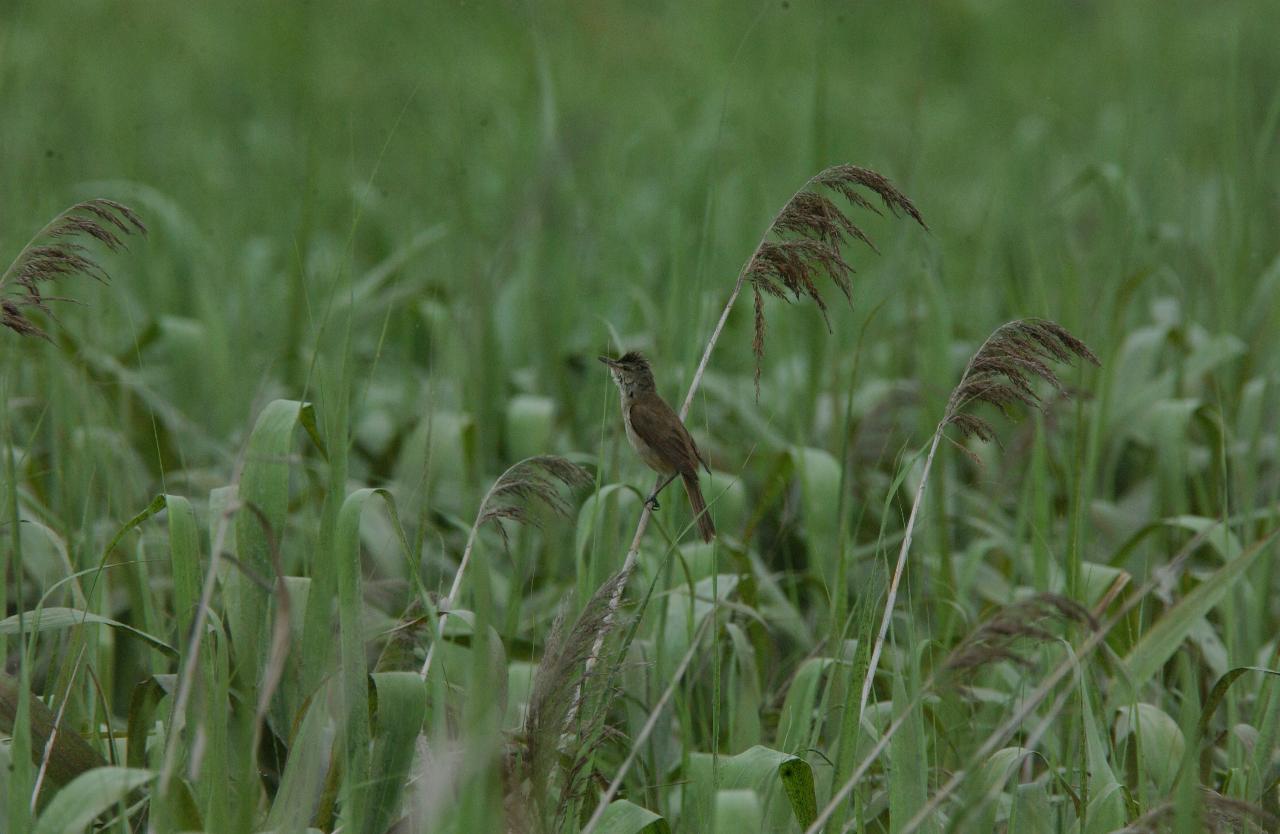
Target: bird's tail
705, 525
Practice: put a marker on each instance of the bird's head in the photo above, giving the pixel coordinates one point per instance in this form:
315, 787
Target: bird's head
631, 372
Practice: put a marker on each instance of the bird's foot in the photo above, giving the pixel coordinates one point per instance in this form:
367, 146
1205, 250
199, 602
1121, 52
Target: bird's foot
652, 503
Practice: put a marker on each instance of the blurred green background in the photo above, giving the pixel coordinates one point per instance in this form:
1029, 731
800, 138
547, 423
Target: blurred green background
472, 200
536, 174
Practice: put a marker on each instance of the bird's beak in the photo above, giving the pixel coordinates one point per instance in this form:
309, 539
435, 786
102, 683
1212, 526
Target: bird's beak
607, 361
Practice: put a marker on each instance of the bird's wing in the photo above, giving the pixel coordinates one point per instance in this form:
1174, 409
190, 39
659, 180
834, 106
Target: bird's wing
660, 428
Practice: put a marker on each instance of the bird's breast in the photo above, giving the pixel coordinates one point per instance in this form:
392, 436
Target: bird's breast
647, 453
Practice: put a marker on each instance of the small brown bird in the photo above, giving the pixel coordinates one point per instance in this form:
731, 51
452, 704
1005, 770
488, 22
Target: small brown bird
658, 436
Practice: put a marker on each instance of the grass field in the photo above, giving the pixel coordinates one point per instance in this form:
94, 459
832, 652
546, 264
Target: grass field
242, 480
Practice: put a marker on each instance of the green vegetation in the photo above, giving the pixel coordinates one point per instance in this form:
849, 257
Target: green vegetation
356, 350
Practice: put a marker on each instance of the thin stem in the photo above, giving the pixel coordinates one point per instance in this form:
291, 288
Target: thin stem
457, 580
898, 570
192, 655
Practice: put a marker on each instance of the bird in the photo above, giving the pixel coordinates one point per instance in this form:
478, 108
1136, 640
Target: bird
658, 436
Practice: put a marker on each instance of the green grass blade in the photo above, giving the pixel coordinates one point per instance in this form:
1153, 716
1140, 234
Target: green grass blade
87, 796
623, 817
401, 701
353, 672
54, 619
264, 488
1158, 643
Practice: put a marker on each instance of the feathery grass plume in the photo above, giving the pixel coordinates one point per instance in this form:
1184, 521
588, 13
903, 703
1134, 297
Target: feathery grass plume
808, 233
533, 482
1004, 369
997, 638
561, 674
53, 254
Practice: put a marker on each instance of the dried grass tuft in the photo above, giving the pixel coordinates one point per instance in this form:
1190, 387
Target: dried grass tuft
808, 234
561, 675
1004, 370
53, 254
532, 483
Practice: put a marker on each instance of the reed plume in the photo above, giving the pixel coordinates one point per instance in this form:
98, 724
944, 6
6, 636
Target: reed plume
532, 483
804, 242
54, 253
999, 638
1004, 369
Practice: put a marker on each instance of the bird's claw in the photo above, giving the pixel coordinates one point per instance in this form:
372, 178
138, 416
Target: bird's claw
652, 503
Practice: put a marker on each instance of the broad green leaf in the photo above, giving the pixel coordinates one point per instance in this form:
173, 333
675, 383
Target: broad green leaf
745, 684
987, 785
685, 614
819, 476
360, 806
737, 810
1160, 742
352, 666
87, 796
184, 561
302, 782
908, 762
1106, 810
1210, 351
520, 674
1031, 812
441, 449
784, 783
1096, 580
605, 517
623, 817
260, 525
401, 704
795, 723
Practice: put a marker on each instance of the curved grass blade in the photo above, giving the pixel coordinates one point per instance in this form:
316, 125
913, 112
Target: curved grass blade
88, 795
